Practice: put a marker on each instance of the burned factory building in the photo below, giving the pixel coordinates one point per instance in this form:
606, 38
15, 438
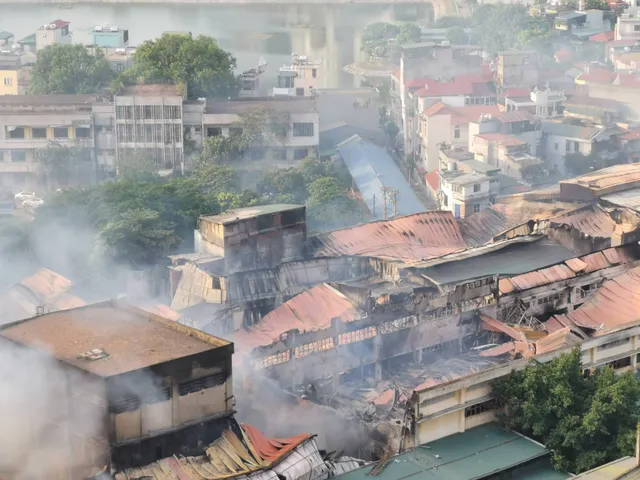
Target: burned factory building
396, 327
122, 388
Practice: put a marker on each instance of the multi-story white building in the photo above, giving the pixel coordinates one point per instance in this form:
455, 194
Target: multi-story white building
464, 194
52, 33
298, 79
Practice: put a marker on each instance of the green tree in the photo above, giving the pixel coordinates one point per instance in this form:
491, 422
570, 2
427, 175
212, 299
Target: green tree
69, 69
199, 63
457, 36
597, 5
579, 164
281, 183
376, 38
585, 420
137, 166
409, 33
63, 166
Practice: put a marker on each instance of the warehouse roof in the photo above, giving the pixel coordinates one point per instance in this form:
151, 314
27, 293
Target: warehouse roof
476, 453
110, 338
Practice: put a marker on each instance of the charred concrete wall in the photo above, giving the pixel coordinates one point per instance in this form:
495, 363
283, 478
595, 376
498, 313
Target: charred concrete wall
152, 411
427, 324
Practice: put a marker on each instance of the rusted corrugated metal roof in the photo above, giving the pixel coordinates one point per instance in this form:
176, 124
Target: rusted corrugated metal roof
409, 238
480, 228
311, 310
529, 280
46, 285
497, 326
230, 456
603, 182
558, 339
592, 221
586, 264
616, 303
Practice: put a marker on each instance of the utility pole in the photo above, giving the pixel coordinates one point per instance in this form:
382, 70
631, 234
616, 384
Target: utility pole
374, 206
384, 189
394, 200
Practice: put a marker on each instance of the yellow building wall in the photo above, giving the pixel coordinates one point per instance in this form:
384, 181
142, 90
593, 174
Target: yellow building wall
9, 82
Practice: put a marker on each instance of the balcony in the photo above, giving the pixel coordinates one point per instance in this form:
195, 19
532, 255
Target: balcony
18, 167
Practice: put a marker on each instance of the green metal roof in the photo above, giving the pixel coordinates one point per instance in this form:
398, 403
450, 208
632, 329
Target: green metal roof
29, 39
473, 454
5, 35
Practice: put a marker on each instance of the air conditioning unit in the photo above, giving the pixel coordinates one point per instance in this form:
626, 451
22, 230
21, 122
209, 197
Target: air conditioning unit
98, 28
113, 29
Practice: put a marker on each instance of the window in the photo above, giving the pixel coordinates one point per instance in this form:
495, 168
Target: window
214, 131
119, 67
636, 28
39, 133
476, 187
83, 132
235, 131
18, 155
313, 73
16, 132
8, 81
257, 153
480, 408
555, 146
576, 147
303, 129
201, 384
456, 131
445, 200
124, 404
567, 145
476, 207
61, 132
299, 92
614, 344
300, 153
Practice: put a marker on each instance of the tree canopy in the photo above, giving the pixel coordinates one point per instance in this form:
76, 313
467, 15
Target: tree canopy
69, 69
197, 62
382, 39
597, 5
585, 420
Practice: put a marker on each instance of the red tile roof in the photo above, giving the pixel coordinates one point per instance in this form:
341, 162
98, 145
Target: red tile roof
631, 135
470, 113
432, 180
514, 116
517, 93
563, 54
417, 83
409, 238
311, 310
603, 37
472, 84
621, 43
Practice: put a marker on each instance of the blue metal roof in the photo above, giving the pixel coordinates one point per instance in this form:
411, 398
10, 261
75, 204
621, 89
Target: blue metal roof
372, 168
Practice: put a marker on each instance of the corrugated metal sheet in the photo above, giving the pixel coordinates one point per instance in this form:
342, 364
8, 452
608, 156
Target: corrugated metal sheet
628, 198
508, 347
618, 175
410, 238
46, 285
529, 280
581, 265
576, 265
558, 339
312, 310
497, 326
249, 454
480, 228
616, 303
592, 221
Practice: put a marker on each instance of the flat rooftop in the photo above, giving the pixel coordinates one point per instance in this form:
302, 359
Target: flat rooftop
249, 212
47, 99
477, 453
153, 89
131, 338
240, 106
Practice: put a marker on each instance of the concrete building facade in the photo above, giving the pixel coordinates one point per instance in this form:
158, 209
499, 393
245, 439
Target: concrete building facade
132, 405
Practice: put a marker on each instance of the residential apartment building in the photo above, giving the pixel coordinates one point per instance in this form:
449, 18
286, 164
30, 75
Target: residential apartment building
301, 124
52, 33
562, 139
464, 194
519, 124
148, 119
31, 122
110, 36
140, 386
10, 74
628, 25
543, 103
443, 124
299, 78
517, 69
507, 152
